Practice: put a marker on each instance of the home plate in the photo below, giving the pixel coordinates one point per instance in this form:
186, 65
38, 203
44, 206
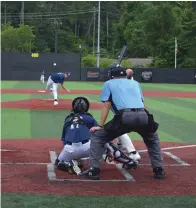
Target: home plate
41, 91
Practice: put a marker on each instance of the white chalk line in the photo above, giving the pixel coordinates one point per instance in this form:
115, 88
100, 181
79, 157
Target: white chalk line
42, 163
171, 148
24, 163
6, 150
50, 167
90, 181
177, 159
127, 175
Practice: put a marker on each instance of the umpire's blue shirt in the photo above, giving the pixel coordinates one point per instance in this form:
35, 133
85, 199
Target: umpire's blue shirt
78, 133
123, 93
58, 77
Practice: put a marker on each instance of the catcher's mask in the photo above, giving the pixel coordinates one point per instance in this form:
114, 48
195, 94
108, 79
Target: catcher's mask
117, 71
80, 105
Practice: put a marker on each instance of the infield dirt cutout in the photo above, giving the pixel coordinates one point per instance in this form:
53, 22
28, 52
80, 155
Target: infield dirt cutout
27, 167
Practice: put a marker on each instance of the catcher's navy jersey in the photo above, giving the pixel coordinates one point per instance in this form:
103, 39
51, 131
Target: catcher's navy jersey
79, 132
58, 77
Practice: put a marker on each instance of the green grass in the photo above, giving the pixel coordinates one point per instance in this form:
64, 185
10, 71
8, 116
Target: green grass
98, 86
175, 115
51, 201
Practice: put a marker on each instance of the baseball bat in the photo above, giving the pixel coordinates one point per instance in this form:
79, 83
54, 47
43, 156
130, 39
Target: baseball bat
120, 58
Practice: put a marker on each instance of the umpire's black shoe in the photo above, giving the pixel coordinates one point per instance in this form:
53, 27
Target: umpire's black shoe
159, 173
91, 173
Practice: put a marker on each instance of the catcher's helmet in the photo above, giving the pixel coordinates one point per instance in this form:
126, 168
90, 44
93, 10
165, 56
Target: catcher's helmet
117, 71
80, 105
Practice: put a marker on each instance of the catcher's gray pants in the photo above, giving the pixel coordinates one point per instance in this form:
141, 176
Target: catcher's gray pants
136, 122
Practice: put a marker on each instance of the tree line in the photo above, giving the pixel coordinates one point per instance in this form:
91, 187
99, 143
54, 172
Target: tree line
148, 29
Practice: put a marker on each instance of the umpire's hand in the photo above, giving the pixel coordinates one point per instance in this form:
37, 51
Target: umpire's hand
95, 128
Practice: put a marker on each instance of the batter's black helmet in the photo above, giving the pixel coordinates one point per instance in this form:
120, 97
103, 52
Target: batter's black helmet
118, 71
80, 105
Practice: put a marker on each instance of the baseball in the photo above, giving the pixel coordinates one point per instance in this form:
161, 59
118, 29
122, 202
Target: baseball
54, 64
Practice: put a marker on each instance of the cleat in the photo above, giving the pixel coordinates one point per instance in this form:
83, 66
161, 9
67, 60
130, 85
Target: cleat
159, 173
56, 103
91, 173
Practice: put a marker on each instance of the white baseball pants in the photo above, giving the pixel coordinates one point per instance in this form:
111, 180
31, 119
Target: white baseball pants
52, 86
74, 151
42, 78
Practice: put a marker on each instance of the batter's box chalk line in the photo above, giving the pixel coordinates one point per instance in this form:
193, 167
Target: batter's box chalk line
52, 174
125, 173
171, 148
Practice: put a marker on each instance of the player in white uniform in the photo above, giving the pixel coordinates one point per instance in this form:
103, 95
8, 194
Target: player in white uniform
53, 81
42, 77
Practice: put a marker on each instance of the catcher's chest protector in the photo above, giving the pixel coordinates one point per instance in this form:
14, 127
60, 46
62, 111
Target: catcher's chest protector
76, 121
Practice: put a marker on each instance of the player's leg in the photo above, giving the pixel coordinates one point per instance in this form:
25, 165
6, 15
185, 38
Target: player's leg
55, 94
83, 151
42, 79
64, 160
49, 83
124, 142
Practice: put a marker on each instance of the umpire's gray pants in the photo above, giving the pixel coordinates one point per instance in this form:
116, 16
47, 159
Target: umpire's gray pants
131, 121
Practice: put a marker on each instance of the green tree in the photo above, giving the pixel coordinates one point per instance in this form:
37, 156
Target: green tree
17, 39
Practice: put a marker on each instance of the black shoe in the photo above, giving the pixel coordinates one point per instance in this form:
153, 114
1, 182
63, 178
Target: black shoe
57, 162
131, 165
159, 173
91, 173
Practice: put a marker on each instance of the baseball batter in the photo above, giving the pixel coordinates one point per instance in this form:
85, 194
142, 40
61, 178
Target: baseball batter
53, 81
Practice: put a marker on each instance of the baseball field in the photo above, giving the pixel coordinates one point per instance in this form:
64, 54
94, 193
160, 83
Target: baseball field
30, 140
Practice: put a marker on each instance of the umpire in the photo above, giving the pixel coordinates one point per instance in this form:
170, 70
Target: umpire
126, 98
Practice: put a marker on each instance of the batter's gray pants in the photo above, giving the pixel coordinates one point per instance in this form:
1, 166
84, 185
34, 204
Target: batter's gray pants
131, 121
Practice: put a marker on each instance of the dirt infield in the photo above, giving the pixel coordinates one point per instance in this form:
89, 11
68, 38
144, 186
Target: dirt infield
27, 167
44, 104
98, 92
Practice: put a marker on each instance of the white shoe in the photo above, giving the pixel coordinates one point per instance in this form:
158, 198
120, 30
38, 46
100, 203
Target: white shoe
135, 156
56, 103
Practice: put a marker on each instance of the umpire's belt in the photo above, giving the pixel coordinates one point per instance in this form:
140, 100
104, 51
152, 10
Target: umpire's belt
70, 143
131, 109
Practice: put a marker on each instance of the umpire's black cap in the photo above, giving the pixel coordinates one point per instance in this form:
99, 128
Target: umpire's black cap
117, 71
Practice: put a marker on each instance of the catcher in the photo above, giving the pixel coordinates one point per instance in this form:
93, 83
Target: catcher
75, 137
